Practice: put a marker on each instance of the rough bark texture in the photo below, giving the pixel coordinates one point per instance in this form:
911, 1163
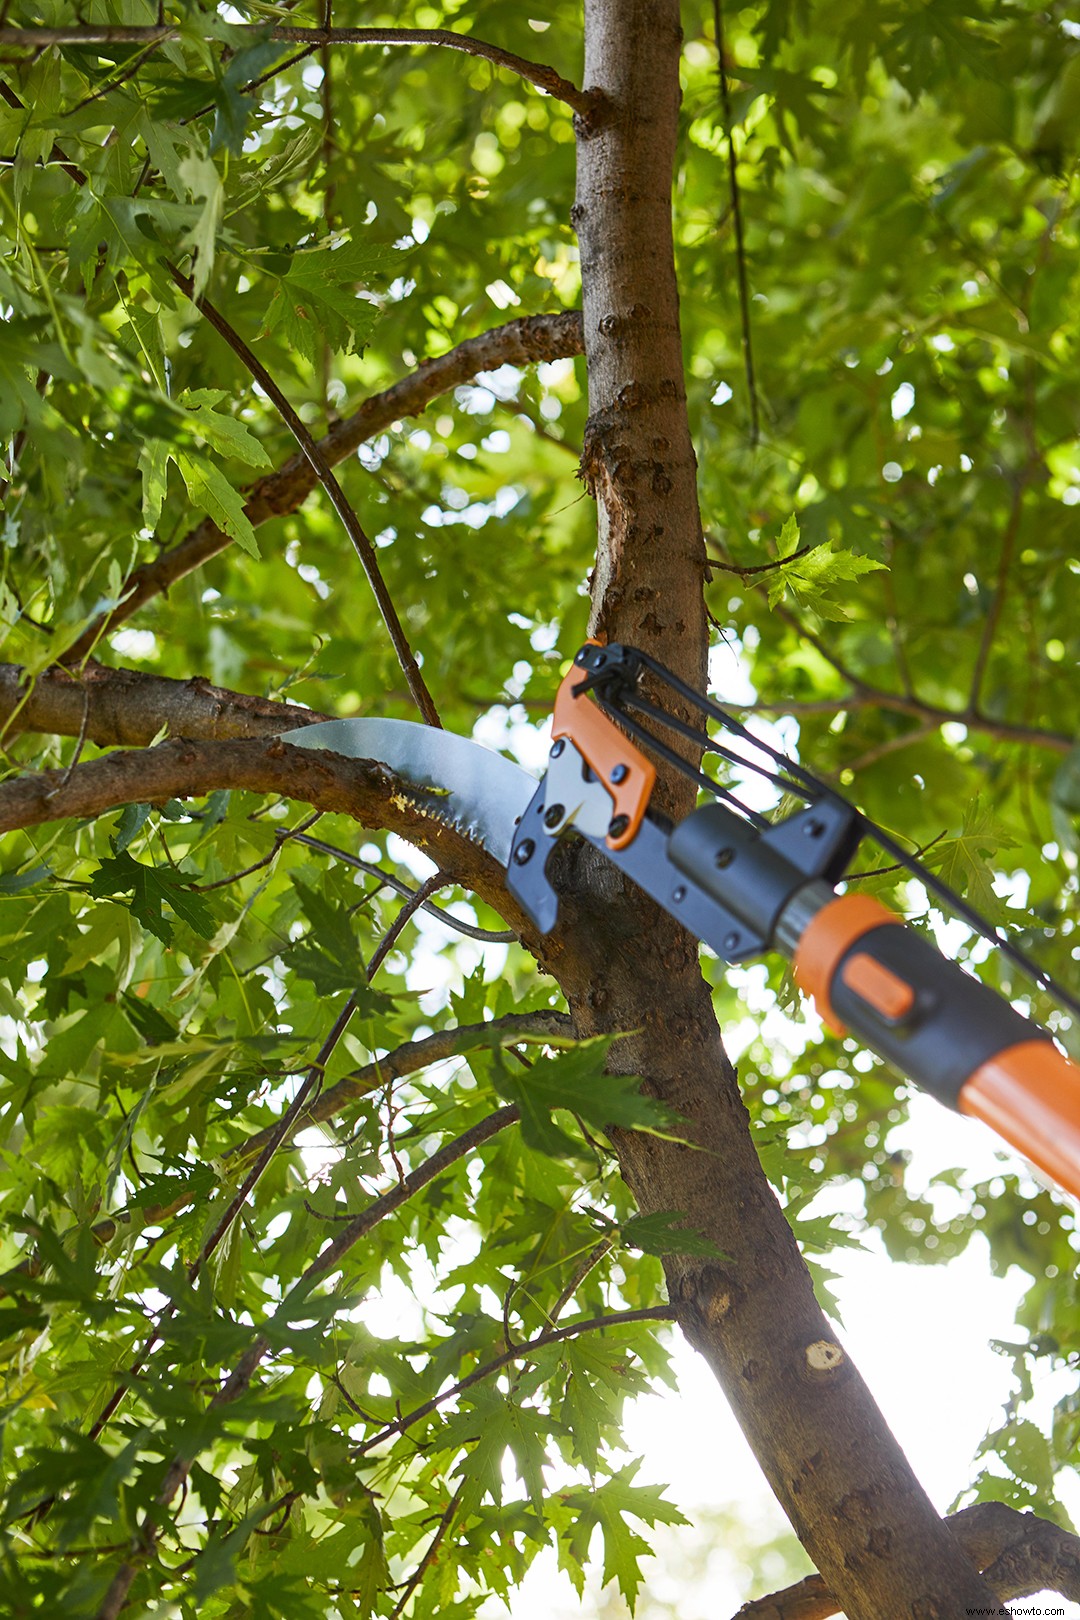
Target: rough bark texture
128, 708
638, 458
837, 1471
1019, 1553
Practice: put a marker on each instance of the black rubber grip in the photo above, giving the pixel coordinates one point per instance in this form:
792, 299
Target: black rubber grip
955, 1024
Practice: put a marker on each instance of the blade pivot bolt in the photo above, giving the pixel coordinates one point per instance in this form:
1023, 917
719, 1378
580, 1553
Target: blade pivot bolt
524, 852
558, 747
554, 814
618, 826
620, 773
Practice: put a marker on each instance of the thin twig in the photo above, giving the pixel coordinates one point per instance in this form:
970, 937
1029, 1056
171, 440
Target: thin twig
311, 1083
1008, 546
342, 506
241, 1376
282, 837
882, 871
736, 209
128, 72
429, 1557
492, 936
580, 1272
520, 1352
537, 73
892, 745
761, 568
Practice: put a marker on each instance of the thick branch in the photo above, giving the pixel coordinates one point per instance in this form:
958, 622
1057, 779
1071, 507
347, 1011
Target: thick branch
128, 708
530, 341
185, 769
538, 73
1017, 1552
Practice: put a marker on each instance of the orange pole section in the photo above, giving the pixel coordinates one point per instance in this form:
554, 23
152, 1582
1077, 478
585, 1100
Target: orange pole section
1030, 1095
826, 938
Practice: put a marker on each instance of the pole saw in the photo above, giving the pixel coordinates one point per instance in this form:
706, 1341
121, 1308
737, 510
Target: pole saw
744, 885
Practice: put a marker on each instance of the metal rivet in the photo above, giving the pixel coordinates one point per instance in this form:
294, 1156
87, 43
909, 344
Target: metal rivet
554, 814
582, 656
680, 893
557, 747
723, 857
813, 829
620, 773
731, 941
524, 852
618, 826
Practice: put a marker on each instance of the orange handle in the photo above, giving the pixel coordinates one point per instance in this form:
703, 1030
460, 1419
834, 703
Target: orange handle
1030, 1095
625, 772
944, 1029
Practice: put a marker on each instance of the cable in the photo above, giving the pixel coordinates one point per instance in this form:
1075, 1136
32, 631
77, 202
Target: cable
614, 688
490, 936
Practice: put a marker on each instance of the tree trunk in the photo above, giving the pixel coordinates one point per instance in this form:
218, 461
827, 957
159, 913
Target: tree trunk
820, 1439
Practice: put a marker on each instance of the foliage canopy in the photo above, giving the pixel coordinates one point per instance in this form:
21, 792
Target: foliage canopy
890, 522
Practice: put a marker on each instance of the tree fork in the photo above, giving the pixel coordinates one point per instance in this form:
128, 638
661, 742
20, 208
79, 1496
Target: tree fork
814, 1427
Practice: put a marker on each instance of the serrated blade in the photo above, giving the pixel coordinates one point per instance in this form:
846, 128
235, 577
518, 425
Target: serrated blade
485, 794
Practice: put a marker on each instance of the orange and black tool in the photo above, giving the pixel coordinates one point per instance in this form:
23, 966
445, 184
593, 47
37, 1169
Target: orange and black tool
745, 885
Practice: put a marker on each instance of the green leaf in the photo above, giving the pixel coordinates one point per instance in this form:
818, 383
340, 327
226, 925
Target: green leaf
609, 1505
811, 579
154, 465
233, 108
205, 186
964, 862
575, 1080
663, 1232
152, 887
221, 431
212, 493
318, 297
132, 821
16, 882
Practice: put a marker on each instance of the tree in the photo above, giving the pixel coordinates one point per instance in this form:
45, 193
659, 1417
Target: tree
244, 247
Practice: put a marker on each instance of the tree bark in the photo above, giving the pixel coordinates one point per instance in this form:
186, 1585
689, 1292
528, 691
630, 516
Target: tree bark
822, 1442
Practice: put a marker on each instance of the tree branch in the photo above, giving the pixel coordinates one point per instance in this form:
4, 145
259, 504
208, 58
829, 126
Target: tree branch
537, 73
239, 1380
871, 697
338, 500
736, 210
532, 340
518, 1352
514, 1029
128, 708
1017, 1552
